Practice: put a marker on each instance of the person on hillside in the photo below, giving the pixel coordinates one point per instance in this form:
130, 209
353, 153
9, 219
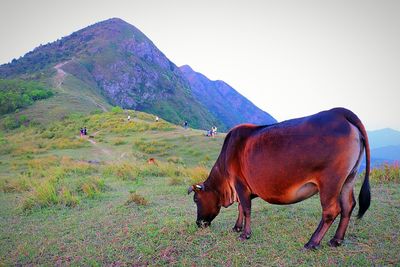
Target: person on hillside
214, 131
185, 125
156, 118
81, 132
129, 118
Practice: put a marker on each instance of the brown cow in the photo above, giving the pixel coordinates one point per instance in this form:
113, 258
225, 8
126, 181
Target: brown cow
288, 162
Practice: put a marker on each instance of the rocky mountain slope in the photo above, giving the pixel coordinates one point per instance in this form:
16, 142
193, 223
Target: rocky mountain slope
113, 63
223, 101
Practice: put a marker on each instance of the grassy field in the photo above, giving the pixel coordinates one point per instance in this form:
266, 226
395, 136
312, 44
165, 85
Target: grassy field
67, 200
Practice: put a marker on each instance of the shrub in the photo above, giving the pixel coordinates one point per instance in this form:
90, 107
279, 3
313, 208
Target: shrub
117, 110
43, 163
15, 94
67, 198
176, 181
19, 184
60, 181
91, 186
119, 141
386, 173
67, 143
137, 199
153, 147
11, 123
176, 160
123, 171
197, 174
43, 195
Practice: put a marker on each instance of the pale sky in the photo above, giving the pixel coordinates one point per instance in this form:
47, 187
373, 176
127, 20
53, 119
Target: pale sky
290, 58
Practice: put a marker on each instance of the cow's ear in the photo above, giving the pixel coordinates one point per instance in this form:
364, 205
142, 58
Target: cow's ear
190, 189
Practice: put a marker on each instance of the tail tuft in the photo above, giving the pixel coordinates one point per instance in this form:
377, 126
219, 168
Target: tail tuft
364, 199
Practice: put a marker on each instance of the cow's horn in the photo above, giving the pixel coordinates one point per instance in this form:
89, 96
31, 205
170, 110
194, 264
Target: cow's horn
190, 189
199, 187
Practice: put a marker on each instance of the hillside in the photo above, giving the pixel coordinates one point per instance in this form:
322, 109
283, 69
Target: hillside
121, 66
223, 101
98, 200
113, 63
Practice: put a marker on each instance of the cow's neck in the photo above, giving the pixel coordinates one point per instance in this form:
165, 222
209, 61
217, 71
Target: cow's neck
223, 186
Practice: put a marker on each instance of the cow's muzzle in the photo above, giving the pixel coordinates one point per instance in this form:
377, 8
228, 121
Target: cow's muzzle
203, 224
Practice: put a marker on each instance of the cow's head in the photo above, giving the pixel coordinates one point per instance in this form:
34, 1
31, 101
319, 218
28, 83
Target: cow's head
207, 204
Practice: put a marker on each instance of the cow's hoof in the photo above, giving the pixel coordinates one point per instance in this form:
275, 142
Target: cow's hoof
244, 236
237, 229
311, 246
335, 242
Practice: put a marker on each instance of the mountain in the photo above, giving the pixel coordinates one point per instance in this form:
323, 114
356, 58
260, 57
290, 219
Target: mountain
385, 146
384, 137
224, 102
109, 63
388, 153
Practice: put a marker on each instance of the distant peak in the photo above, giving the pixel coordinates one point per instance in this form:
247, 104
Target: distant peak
385, 130
186, 68
114, 20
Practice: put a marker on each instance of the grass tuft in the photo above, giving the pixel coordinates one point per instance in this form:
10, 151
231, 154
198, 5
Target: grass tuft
137, 199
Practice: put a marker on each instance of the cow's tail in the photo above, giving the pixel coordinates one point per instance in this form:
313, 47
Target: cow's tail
364, 198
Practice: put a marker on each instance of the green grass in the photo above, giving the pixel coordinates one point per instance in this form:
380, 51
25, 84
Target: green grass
104, 204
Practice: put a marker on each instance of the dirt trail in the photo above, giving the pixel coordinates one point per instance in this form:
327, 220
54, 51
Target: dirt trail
60, 76
105, 151
99, 105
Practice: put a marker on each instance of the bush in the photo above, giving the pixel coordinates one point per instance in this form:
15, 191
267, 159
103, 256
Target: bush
119, 141
92, 186
20, 184
176, 160
59, 181
15, 94
386, 173
117, 110
137, 199
153, 147
11, 123
123, 171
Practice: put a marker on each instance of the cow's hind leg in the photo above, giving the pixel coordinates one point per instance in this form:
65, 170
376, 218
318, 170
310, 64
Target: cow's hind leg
347, 204
330, 210
239, 222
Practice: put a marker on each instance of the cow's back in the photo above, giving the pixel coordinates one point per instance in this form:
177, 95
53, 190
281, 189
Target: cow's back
277, 160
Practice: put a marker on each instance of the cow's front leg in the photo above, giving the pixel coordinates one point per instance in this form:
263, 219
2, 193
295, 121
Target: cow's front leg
246, 206
244, 195
239, 222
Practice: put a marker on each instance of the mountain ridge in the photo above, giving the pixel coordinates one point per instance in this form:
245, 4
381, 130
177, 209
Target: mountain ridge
223, 101
120, 65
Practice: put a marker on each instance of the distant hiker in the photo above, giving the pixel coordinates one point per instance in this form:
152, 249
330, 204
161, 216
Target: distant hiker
213, 131
81, 132
84, 131
129, 118
156, 118
185, 125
